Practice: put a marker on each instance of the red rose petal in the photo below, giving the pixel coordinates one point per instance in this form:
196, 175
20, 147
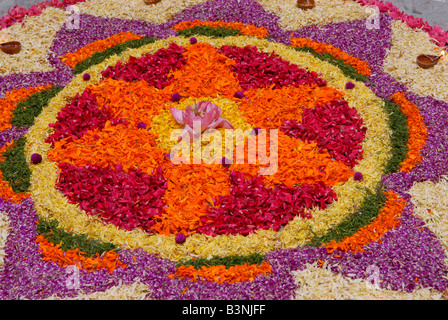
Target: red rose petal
127, 200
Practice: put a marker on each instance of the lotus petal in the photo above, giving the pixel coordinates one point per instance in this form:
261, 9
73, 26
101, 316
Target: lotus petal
178, 115
221, 123
200, 117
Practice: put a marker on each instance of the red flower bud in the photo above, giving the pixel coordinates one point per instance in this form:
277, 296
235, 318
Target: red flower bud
176, 97
358, 176
180, 238
141, 125
349, 85
36, 158
239, 94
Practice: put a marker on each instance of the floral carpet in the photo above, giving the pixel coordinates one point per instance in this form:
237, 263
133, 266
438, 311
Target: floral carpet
347, 201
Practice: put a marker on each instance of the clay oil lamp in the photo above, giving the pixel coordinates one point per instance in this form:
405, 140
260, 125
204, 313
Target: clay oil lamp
152, 1
427, 61
306, 4
10, 47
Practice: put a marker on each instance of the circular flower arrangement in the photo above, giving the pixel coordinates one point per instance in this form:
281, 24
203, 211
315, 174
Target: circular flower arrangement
215, 155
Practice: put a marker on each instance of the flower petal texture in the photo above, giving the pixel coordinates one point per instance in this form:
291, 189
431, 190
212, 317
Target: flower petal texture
304, 155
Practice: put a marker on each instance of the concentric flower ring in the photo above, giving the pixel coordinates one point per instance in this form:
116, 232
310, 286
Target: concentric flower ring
93, 150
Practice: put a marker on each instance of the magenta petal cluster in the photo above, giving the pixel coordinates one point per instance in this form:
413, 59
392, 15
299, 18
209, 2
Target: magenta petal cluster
17, 14
127, 200
257, 69
155, 68
335, 126
78, 117
252, 205
200, 117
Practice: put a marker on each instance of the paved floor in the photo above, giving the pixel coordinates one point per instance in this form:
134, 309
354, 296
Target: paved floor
6, 4
433, 11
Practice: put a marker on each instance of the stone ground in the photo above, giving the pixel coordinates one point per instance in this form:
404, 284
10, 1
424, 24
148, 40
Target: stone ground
433, 11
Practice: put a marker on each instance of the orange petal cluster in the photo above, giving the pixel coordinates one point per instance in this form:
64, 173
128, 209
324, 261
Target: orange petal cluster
361, 66
207, 73
269, 107
108, 260
417, 131
385, 221
133, 101
115, 144
190, 191
73, 58
221, 274
299, 163
245, 29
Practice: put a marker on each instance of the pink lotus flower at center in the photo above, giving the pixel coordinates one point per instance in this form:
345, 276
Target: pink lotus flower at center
200, 117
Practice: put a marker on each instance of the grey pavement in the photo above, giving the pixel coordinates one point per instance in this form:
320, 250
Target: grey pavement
433, 11
6, 4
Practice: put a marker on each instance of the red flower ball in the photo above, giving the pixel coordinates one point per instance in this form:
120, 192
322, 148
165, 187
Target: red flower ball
141, 125
239, 94
349, 85
176, 97
358, 176
180, 238
36, 158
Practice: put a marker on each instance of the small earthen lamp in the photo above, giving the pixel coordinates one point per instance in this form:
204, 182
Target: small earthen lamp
427, 61
152, 1
306, 4
11, 47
